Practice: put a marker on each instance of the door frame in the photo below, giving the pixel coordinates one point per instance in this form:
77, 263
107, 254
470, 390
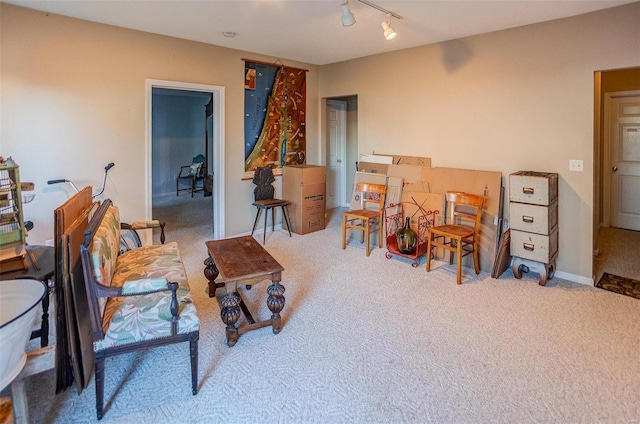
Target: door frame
342, 119
606, 153
218, 141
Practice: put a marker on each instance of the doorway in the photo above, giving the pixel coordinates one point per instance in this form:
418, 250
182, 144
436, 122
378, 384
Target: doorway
214, 145
613, 252
341, 148
622, 159
336, 152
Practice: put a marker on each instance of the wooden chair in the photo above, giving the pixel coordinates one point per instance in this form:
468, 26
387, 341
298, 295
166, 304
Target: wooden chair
460, 235
366, 220
263, 196
192, 174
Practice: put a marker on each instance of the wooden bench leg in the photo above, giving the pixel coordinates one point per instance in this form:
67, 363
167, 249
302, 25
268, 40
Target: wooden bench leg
193, 352
99, 365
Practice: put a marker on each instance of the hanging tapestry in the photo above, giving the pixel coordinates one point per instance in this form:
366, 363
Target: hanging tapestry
274, 120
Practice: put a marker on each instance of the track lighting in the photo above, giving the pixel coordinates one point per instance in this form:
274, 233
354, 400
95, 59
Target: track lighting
348, 18
389, 32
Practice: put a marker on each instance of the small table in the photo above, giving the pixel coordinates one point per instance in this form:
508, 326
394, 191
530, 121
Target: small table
41, 268
243, 261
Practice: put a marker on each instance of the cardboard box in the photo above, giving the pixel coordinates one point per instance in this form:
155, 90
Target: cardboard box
410, 174
394, 188
407, 160
304, 186
373, 167
485, 183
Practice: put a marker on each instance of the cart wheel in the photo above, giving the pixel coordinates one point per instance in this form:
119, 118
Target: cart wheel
415, 264
388, 255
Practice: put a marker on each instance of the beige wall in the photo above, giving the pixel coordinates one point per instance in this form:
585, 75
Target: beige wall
73, 100
519, 99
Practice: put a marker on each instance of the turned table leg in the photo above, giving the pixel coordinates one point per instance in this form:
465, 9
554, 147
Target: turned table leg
230, 313
275, 302
211, 273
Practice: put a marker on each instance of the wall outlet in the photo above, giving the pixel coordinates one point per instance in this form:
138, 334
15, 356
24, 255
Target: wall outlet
576, 165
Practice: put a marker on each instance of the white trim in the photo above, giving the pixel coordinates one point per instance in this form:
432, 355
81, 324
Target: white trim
219, 229
606, 153
573, 278
341, 108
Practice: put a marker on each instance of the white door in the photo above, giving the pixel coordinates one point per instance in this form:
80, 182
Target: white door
336, 152
622, 126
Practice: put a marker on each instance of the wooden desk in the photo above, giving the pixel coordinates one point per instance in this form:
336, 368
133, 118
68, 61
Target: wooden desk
242, 261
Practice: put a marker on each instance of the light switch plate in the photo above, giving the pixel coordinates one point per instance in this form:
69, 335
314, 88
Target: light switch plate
576, 165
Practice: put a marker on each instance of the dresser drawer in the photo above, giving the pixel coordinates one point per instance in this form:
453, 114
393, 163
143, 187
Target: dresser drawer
535, 247
533, 218
539, 188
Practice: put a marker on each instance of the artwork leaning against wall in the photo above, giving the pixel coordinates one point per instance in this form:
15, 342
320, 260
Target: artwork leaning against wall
274, 121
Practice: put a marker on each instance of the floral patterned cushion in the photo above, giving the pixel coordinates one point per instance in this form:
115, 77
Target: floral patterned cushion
136, 318
105, 246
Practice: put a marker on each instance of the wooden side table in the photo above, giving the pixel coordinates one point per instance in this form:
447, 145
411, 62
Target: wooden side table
237, 262
41, 267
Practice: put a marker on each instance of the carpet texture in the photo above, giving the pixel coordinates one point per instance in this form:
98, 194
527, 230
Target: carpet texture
621, 285
374, 340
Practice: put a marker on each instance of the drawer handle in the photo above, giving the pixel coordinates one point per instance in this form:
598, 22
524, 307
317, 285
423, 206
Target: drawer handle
528, 246
527, 190
528, 219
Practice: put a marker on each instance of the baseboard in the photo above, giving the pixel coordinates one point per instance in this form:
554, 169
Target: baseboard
574, 278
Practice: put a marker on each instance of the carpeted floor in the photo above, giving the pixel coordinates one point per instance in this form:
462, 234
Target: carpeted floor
621, 285
374, 340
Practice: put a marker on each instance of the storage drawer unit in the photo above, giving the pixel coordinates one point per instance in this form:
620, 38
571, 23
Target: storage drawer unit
536, 188
533, 218
535, 247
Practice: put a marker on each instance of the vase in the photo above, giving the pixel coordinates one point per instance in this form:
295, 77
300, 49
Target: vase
407, 239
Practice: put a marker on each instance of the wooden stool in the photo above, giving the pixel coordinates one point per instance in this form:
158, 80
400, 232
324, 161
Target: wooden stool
270, 204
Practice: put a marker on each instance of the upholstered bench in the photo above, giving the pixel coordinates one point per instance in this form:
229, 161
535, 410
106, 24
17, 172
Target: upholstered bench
138, 299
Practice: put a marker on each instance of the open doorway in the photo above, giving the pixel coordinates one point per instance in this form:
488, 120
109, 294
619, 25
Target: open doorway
341, 148
174, 137
616, 148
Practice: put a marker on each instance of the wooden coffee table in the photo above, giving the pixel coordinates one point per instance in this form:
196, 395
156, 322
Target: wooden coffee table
237, 262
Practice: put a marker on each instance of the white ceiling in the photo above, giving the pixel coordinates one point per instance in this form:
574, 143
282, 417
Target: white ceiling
311, 30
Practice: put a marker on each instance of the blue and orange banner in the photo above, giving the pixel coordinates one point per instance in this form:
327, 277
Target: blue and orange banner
274, 121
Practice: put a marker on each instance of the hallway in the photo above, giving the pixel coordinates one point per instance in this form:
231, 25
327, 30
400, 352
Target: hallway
618, 253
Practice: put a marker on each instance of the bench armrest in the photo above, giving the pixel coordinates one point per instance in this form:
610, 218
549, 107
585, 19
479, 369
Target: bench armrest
144, 286
143, 225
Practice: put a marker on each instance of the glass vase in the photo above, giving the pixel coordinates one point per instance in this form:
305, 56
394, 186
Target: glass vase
407, 239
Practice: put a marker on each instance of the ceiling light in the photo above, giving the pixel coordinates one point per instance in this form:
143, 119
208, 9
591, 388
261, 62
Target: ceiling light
348, 18
389, 32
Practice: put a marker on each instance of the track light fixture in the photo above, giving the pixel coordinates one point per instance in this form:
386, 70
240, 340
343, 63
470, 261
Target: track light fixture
389, 32
349, 19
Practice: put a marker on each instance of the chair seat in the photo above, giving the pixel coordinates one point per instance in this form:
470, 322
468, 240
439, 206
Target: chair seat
452, 230
270, 203
364, 213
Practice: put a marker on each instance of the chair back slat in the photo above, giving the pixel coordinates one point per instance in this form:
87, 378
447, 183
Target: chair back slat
465, 207
379, 192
